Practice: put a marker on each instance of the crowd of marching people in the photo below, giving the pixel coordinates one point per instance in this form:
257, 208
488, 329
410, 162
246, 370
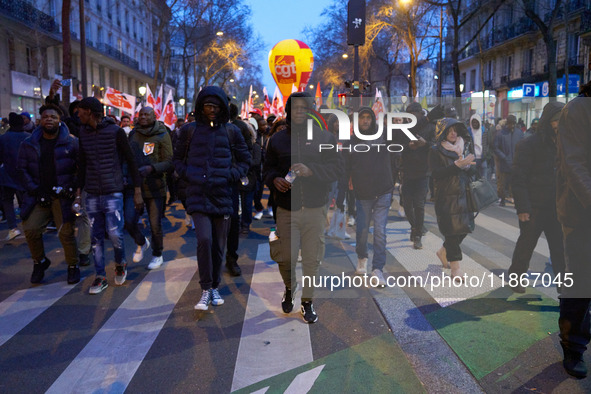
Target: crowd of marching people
96, 174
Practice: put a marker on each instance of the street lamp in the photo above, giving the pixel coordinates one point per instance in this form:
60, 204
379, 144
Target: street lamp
345, 56
219, 33
232, 80
461, 87
311, 86
142, 90
240, 68
182, 104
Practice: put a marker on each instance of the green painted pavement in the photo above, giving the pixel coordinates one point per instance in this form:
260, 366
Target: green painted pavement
489, 330
377, 365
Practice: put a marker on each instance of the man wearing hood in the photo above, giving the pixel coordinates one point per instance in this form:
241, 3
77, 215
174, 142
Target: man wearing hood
152, 148
415, 172
47, 164
533, 128
372, 175
505, 143
103, 149
480, 138
534, 190
212, 156
28, 124
573, 205
9, 178
301, 201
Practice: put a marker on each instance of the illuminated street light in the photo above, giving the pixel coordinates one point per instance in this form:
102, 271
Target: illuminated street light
311, 86
461, 87
345, 56
240, 68
435, 77
219, 33
232, 80
142, 90
182, 102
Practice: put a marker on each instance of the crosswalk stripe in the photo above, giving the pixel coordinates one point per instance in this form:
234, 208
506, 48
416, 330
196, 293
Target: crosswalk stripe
425, 264
113, 355
508, 232
22, 307
304, 381
269, 337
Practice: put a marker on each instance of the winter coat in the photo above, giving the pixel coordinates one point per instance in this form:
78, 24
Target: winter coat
9, 145
372, 173
152, 146
216, 158
505, 143
415, 161
533, 180
290, 146
484, 140
573, 181
451, 182
66, 167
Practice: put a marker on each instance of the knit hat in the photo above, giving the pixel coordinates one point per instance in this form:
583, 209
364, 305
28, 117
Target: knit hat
92, 104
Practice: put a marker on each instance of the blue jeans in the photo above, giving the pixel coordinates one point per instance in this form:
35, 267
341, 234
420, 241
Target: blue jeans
106, 214
482, 167
376, 209
246, 199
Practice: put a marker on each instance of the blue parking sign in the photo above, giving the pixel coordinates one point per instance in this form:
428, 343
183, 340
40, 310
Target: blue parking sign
529, 90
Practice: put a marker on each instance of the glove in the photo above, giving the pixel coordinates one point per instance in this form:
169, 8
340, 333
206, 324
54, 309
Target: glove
145, 170
44, 199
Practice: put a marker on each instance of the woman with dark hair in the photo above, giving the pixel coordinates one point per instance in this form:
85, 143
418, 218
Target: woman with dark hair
451, 163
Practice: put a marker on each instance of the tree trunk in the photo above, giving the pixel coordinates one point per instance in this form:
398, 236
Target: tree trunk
551, 59
67, 52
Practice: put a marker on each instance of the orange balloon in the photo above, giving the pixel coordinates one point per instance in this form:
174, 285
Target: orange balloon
291, 63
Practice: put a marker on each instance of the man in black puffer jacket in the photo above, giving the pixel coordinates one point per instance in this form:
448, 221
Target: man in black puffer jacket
534, 189
103, 148
211, 156
301, 212
47, 165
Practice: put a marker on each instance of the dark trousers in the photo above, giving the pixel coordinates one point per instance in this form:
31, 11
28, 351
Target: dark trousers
8, 204
211, 232
131, 216
504, 185
234, 228
415, 194
541, 220
574, 321
452, 246
246, 199
155, 207
258, 195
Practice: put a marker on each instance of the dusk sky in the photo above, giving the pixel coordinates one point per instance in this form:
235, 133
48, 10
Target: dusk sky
278, 20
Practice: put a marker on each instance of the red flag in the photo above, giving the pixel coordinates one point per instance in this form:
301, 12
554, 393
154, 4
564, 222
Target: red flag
267, 104
378, 106
168, 116
158, 107
150, 100
114, 98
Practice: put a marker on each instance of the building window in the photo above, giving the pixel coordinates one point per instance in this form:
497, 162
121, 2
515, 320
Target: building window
119, 45
11, 55
88, 28
508, 61
57, 60
472, 80
99, 35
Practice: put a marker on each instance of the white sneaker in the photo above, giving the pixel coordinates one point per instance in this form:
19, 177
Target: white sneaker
188, 220
380, 277
351, 221
401, 212
13, 233
258, 215
270, 212
361, 266
216, 298
139, 251
155, 263
204, 302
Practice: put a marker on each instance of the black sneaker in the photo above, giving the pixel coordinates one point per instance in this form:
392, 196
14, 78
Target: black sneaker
288, 300
73, 274
308, 312
39, 270
233, 267
84, 260
99, 284
120, 274
417, 244
574, 365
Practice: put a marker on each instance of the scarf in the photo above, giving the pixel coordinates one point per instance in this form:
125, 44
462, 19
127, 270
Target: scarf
458, 147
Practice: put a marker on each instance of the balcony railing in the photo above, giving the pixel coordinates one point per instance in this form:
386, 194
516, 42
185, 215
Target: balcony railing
114, 53
29, 15
505, 79
488, 84
500, 35
526, 73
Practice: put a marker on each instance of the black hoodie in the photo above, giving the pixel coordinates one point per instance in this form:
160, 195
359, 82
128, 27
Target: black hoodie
372, 172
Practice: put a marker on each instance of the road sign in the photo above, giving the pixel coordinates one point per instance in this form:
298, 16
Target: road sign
529, 90
356, 22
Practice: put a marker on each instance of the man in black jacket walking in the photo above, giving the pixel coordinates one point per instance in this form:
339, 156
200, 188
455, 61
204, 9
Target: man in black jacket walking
534, 189
103, 148
301, 201
211, 156
573, 204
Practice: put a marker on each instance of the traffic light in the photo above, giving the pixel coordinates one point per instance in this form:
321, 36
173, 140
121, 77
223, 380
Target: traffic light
356, 22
